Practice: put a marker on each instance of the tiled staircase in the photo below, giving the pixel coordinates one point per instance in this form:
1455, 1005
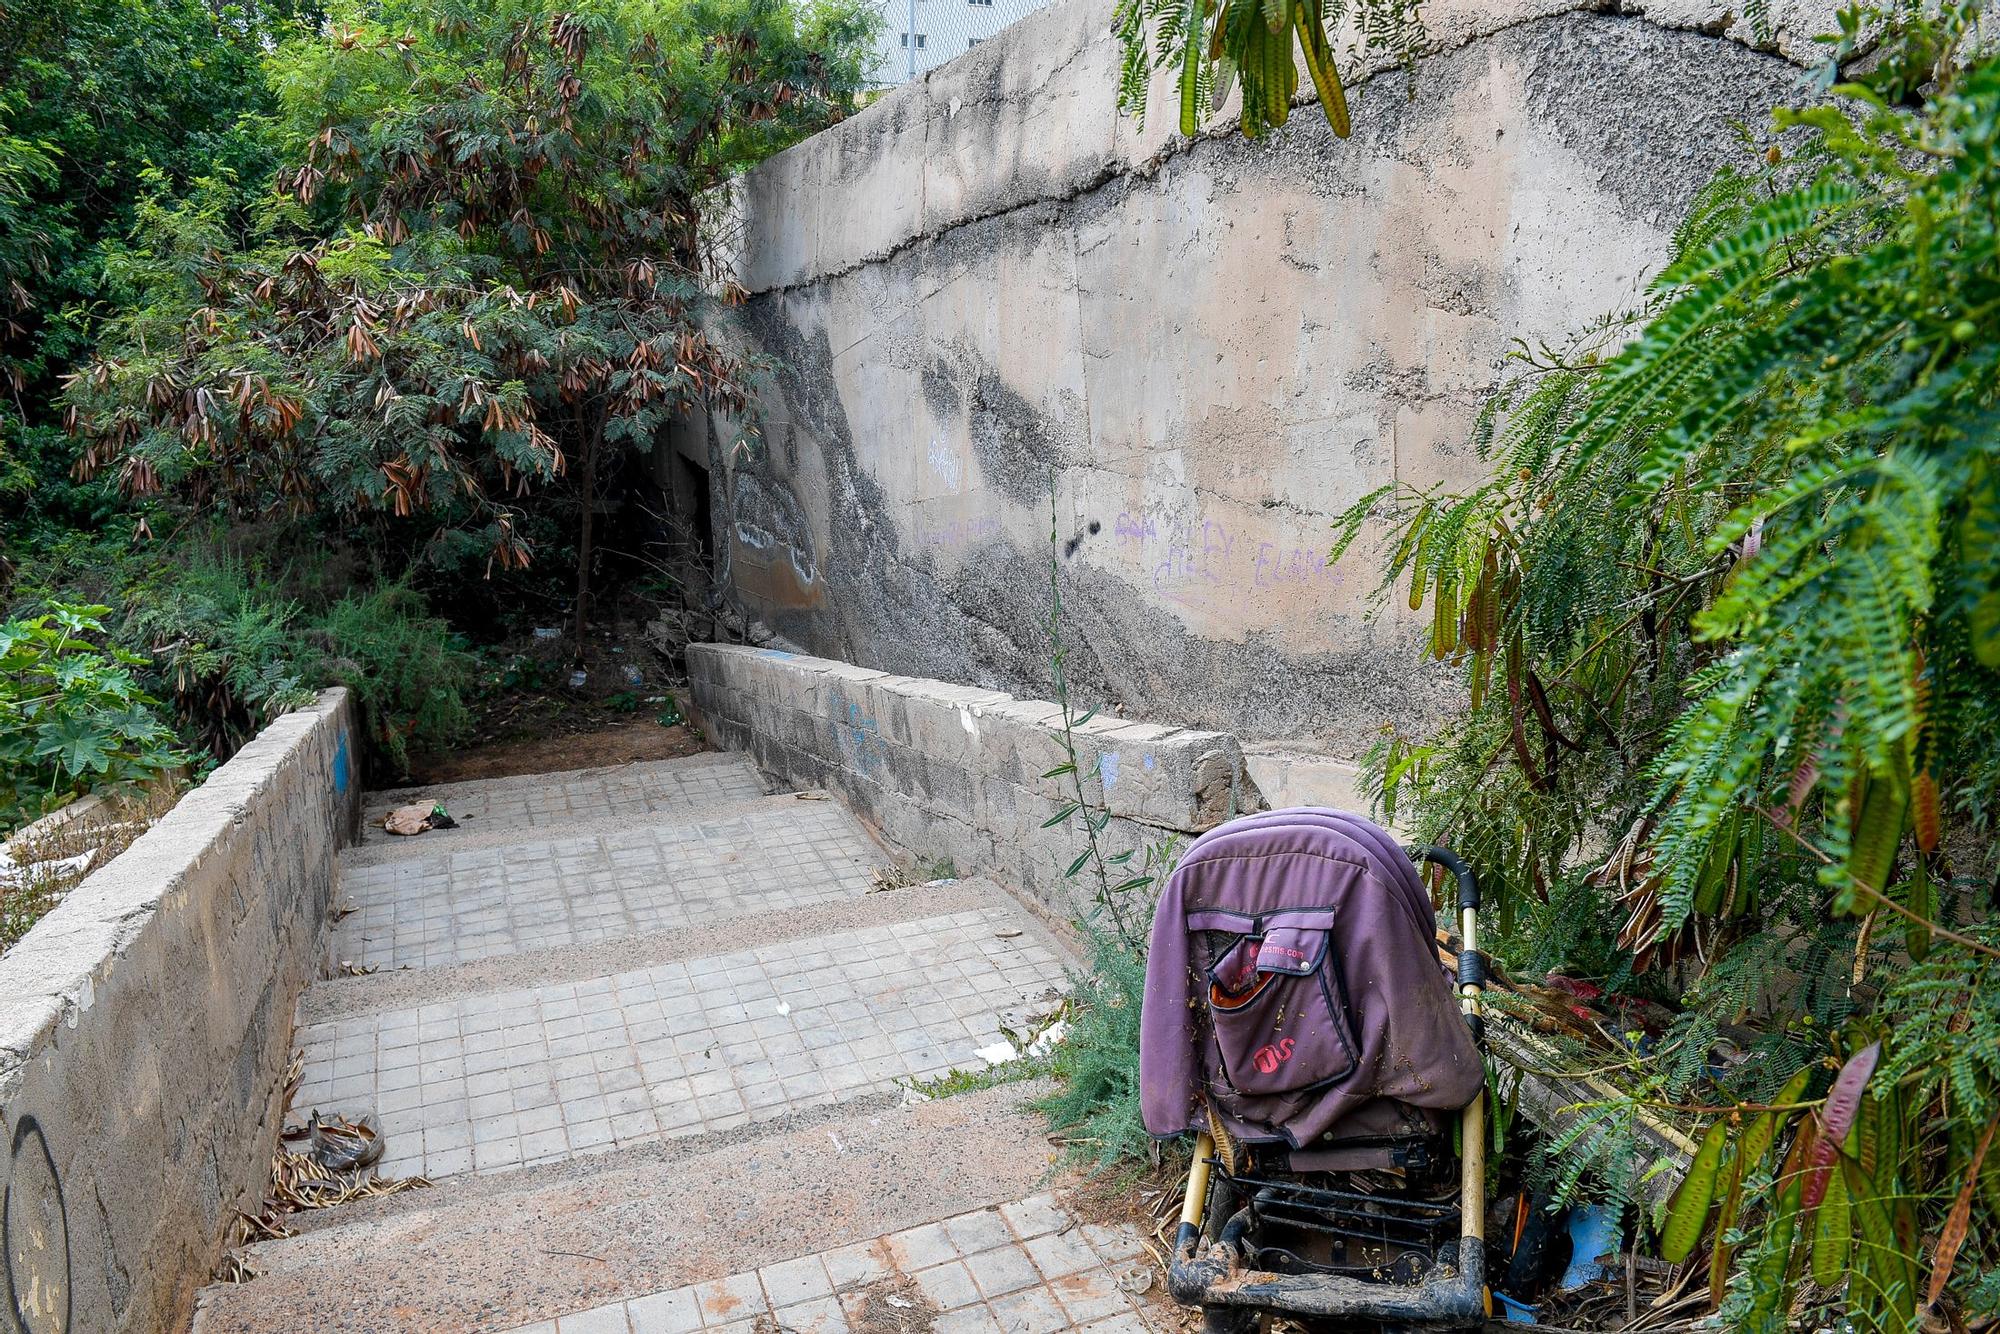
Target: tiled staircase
651, 1032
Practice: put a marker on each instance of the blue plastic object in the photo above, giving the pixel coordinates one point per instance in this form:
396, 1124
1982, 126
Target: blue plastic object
1593, 1231
1518, 1313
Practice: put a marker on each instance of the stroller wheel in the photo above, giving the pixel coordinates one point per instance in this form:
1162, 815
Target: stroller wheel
1230, 1320
1221, 1204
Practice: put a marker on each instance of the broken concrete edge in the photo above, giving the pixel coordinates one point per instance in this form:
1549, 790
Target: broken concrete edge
956, 772
973, 139
146, 1028
1289, 777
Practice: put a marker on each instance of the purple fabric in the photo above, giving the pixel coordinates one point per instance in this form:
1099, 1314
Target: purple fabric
1294, 978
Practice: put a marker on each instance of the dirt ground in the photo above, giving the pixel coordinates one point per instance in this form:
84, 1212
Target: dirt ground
595, 743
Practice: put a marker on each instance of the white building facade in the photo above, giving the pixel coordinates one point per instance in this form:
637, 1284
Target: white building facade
920, 35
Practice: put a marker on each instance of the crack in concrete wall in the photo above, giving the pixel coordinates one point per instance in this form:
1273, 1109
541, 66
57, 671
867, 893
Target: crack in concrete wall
993, 302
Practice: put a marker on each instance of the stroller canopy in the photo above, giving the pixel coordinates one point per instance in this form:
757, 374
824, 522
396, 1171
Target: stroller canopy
1294, 985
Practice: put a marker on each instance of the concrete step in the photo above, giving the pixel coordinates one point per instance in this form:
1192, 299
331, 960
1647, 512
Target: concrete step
490, 1082
538, 801
401, 988
458, 900
714, 1237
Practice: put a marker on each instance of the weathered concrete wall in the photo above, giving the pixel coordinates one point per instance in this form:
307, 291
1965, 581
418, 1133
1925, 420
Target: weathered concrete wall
989, 283
955, 771
145, 1026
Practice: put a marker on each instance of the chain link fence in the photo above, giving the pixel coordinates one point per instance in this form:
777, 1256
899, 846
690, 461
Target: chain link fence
920, 35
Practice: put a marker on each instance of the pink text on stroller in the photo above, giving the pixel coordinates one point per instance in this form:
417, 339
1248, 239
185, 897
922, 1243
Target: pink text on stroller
1269, 1058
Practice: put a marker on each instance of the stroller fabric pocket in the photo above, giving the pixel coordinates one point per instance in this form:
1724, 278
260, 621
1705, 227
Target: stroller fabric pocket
1279, 1019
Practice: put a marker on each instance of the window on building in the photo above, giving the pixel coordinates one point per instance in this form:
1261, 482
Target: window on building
983, 4
923, 41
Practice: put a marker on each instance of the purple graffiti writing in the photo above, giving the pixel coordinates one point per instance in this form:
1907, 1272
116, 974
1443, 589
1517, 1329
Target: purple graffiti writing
1206, 552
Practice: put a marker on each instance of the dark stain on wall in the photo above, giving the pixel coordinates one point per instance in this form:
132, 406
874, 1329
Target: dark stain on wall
1610, 88
881, 607
1018, 445
34, 1235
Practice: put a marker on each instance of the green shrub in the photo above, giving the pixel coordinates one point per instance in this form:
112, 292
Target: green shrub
411, 672
1095, 1108
238, 646
72, 715
1728, 611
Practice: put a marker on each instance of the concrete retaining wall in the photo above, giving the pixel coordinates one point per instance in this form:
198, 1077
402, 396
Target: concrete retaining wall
991, 296
145, 1026
955, 771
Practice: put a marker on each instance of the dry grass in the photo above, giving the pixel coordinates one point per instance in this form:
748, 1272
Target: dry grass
50, 857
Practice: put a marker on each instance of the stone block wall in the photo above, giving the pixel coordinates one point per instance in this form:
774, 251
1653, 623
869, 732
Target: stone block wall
145, 1027
956, 771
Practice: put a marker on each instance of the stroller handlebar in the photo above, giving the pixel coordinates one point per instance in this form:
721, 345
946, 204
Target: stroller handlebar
1468, 884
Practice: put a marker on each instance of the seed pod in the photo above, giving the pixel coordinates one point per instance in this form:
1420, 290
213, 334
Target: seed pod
1687, 1212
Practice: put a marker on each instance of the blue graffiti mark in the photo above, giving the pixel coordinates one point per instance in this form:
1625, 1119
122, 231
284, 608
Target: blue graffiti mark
1107, 769
778, 653
863, 736
1149, 759
341, 767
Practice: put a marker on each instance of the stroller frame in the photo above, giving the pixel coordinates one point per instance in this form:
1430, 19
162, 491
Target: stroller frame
1213, 1276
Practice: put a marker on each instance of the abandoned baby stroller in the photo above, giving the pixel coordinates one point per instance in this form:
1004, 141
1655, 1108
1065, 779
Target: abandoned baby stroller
1297, 1019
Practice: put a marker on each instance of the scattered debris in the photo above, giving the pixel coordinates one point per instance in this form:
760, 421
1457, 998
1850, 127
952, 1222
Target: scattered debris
417, 817
931, 871
409, 820
349, 968
300, 1183
311, 1180
1594, 1234
341, 1144
894, 1305
1032, 1031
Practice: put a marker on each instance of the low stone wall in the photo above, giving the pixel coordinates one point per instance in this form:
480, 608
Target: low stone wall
145, 1026
955, 771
